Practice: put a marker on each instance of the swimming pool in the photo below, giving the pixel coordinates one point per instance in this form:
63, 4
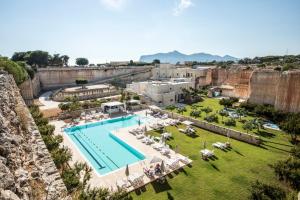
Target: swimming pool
105, 151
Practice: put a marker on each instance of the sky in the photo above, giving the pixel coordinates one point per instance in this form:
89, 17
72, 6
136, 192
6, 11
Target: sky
119, 30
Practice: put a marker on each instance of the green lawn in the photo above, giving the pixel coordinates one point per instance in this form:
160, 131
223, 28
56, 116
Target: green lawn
227, 177
216, 107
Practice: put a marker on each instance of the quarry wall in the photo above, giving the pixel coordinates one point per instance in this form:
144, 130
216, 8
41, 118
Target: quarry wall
26, 168
281, 89
238, 78
53, 78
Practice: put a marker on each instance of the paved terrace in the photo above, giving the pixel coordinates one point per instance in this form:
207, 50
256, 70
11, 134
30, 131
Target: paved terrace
109, 180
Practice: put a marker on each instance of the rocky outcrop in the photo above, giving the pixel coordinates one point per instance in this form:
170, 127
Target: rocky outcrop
281, 89
26, 168
238, 78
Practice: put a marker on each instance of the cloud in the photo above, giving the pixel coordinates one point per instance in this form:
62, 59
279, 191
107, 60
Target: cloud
113, 4
181, 5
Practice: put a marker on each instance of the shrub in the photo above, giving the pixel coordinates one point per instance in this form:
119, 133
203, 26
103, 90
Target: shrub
19, 73
136, 97
47, 129
230, 122
195, 113
260, 191
295, 151
206, 110
64, 106
181, 110
71, 179
170, 107
228, 102
289, 171
212, 118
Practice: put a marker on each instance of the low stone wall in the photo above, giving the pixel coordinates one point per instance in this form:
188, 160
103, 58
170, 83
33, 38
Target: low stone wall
244, 137
27, 170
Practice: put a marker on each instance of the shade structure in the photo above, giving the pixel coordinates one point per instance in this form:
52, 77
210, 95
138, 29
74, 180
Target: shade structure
176, 149
127, 170
188, 123
162, 166
155, 159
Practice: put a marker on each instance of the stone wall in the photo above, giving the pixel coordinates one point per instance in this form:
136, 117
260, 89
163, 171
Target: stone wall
26, 168
53, 78
244, 137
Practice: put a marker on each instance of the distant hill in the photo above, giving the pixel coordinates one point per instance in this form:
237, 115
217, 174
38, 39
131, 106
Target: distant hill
176, 56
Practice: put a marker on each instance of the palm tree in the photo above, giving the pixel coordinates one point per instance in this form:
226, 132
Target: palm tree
258, 123
240, 112
222, 113
248, 126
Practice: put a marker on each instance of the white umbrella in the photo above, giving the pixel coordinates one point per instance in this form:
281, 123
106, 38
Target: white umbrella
155, 159
127, 170
188, 123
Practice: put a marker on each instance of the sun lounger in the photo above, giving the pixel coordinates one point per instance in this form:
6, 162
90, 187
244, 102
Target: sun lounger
140, 136
173, 163
165, 151
207, 153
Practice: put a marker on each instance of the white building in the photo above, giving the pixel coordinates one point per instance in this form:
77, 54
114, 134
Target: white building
199, 75
162, 92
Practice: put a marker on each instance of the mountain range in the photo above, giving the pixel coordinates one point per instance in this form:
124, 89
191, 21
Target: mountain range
175, 56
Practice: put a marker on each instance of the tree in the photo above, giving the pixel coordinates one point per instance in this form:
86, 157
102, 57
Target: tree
207, 110
156, 61
37, 58
65, 60
258, 123
260, 191
248, 126
292, 126
223, 113
55, 60
289, 171
82, 61
81, 82
240, 112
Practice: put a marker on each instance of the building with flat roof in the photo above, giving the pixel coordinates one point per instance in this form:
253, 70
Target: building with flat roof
161, 92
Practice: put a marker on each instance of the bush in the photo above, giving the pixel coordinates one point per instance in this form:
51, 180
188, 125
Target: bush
289, 171
71, 179
136, 97
170, 107
195, 113
181, 110
228, 102
19, 73
81, 81
47, 129
230, 122
212, 118
260, 191
295, 151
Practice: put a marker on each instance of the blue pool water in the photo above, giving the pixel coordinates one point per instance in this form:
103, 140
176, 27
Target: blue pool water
105, 151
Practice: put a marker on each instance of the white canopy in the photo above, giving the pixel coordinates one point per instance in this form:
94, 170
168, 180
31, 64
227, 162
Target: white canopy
113, 103
188, 123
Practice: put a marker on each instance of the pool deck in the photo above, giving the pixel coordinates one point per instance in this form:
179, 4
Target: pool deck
109, 180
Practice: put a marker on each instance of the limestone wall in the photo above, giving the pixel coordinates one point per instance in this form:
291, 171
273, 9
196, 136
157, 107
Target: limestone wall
288, 92
30, 89
26, 168
276, 88
263, 86
53, 78
238, 78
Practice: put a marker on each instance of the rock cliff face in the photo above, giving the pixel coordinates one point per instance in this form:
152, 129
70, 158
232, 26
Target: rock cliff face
279, 89
238, 78
26, 168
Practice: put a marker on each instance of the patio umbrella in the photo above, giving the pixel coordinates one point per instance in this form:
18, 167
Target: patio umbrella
162, 166
176, 149
155, 159
204, 144
145, 128
127, 170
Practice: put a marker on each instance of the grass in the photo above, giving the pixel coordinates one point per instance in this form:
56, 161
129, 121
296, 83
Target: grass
229, 176
216, 107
